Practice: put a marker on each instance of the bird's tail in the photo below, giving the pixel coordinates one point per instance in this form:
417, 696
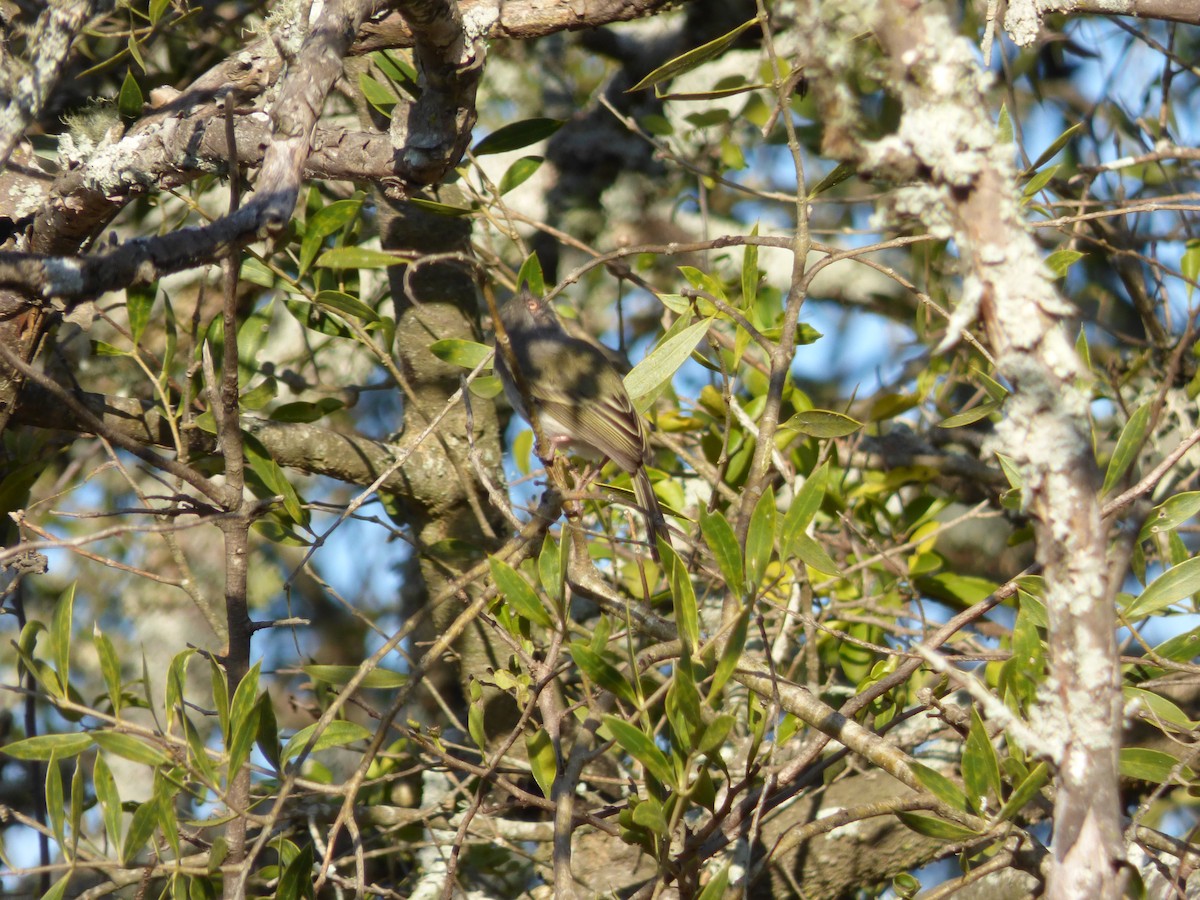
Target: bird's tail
655, 521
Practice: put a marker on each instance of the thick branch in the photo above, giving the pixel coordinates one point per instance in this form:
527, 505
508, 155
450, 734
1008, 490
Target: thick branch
514, 19
1023, 18
29, 84
971, 187
431, 135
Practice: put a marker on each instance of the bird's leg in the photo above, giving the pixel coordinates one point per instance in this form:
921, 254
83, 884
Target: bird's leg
559, 471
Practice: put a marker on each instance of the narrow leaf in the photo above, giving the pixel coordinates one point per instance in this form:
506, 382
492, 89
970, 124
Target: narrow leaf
641, 748
664, 361
760, 537
338, 734
940, 786
693, 58
541, 760
719, 536
129, 747
1175, 584
517, 135
1127, 447
518, 594
339, 675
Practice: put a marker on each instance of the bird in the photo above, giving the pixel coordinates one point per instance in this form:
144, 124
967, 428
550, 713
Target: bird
570, 383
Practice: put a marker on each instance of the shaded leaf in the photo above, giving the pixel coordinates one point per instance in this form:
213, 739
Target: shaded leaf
339, 675
339, 733
516, 135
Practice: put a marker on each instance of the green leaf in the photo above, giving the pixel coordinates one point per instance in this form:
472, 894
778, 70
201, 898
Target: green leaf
1024, 792
939, 829
303, 411
1154, 766
129, 100
836, 176
441, 209
813, 555
272, 476
386, 679
1171, 586
338, 734
260, 395
359, 258
1004, 126
55, 803
641, 748
660, 366
683, 595
519, 172
1170, 514
1060, 261
243, 719
602, 672
1160, 708
980, 765
266, 737
109, 666
649, 814
141, 827
105, 787
327, 220
693, 58
683, 706
552, 565
345, 305
1190, 265
940, 786
60, 636
541, 760
1128, 444
719, 536
1038, 181
803, 508
516, 135
716, 888
129, 747
971, 416
58, 890
462, 353
139, 299
531, 275
475, 726
296, 882
379, 95
1057, 144
156, 9
220, 692
198, 754
518, 594
760, 537
822, 423
730, 655
750, 272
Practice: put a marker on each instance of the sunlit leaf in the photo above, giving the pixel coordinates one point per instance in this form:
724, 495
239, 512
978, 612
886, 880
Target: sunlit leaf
1128, 444
687, 61
339, 733
1173, 585
641, 748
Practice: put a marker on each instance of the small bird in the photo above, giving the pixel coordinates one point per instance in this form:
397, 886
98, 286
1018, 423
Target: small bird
577, 395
